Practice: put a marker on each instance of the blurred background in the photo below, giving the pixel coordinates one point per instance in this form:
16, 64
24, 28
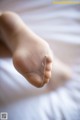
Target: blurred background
59, 25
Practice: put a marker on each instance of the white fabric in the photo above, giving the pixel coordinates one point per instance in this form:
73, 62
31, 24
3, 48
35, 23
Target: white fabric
60, 26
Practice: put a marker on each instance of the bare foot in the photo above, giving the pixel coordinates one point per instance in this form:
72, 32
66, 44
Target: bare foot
32, 56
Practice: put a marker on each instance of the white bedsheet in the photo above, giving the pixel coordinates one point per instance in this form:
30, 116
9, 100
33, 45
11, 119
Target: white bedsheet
60, 26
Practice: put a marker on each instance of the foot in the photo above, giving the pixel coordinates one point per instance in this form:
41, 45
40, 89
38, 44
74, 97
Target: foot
32, 56
34, 61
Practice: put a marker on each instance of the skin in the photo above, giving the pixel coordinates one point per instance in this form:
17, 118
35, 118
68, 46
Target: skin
32, 56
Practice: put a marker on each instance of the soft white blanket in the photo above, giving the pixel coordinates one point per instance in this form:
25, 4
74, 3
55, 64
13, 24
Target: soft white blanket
60, 26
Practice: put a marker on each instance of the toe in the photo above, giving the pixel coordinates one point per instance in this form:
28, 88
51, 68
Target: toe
48, 63
35, 79
48, 59
47, 68
47, 74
